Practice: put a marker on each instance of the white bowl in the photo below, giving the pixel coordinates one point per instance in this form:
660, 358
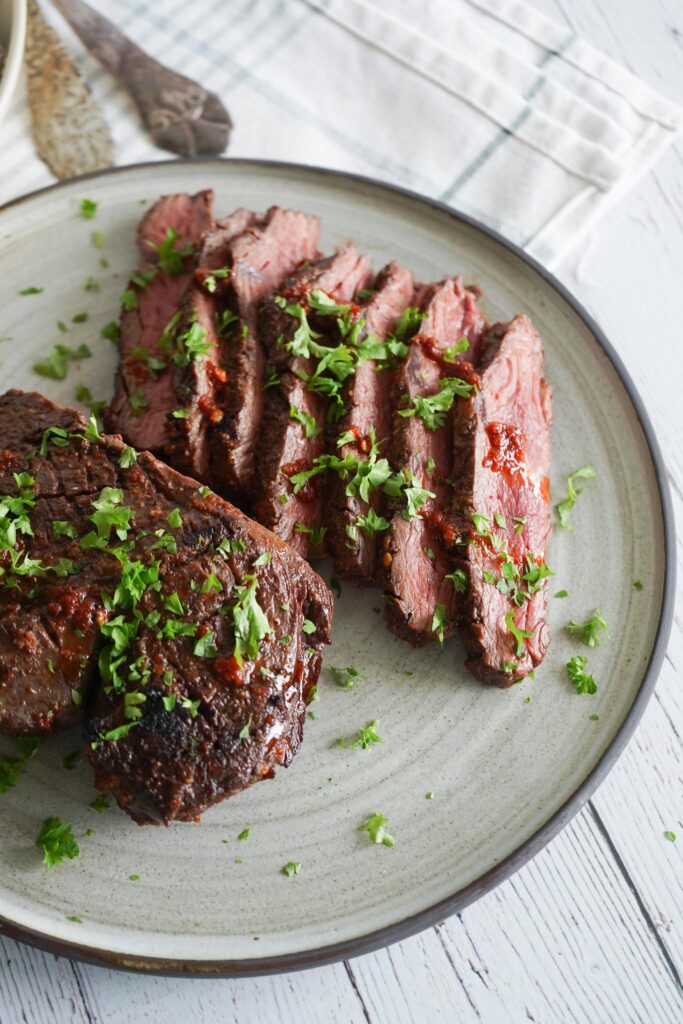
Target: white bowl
12, 40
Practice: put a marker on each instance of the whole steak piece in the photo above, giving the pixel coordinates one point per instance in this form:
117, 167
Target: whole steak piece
190, 635
421, 604
501, 521
168, 237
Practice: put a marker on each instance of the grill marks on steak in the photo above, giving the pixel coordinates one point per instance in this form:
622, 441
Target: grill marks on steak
262, 257
142, 327
413, 563
284, 449
368, 407
501, 441
178, 760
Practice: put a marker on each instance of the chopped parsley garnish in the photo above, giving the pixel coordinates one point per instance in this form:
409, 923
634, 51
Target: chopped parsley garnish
111, 331
671, 836
174, 519
211, 584
138, 400
56, 364
61, 528
205, 646
244, 834
375, 826
185, 346
432, 409
439, 622
451, 354
293, 867
172, 259
345, 677
97, 239
75, 919
79, 318
410, 320
129, 299
249, 621
134, 878
311, 428
83, 393
576, 667
589, 632
180, 414
459, 580
10, 770
71, 760
315, 532
564, 507
224, 322
366, 737
91, 285
429, 796
88, 209
561, 593
372, 523
31, 290
56, 840
245, 730
211, 280
308, 626
272, 377
520, 635
127, 458
637, 585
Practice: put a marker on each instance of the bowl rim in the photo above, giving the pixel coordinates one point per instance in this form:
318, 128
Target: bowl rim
455, 903
15, 53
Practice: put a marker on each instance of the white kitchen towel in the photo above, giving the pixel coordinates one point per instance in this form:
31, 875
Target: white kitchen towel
486, 105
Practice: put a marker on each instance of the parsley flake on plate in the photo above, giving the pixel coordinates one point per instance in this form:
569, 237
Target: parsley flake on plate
244, 834
56, 840
293, 867
366, 737
345, 677
671, 836
100, 804
88, 209
375, 826
56, 365
172, 259
589, 632
32, 290
576, 667
564, 507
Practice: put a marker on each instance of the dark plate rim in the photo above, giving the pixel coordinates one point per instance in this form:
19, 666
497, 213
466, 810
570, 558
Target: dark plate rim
254, 966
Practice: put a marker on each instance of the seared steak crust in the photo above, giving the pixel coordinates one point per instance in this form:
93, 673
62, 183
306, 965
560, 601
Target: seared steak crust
207, 726
413, 564
501, 456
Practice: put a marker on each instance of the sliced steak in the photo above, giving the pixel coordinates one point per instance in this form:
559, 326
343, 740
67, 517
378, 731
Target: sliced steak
144, 395
501, 463
293, 427
196, 380
260, 260
368, 408
185, 616
421, 602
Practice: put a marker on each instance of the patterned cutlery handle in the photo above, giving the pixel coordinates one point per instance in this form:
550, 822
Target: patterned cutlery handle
69, 129
179, 114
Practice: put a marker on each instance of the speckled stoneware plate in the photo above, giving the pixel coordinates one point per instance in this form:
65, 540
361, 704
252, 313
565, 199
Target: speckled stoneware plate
507, 769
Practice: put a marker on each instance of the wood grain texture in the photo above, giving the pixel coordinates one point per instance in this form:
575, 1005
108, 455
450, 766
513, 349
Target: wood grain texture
592, 930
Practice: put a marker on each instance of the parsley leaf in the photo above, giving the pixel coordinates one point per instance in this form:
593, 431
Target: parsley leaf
459, 579
520, 635
249, 620
315, 532
589, 632
564, 507
88, 209
56, 840
311, 428
432, 409
111, 331
366, 737
56, 365
372, 523
576, 667
375, 826
172, 259
127, 458
293, 867
439, 622
345, 677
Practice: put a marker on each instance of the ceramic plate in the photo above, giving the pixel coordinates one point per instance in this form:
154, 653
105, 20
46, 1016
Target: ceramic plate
506, 769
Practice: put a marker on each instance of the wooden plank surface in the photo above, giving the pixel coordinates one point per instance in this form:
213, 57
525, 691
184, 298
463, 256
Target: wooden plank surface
592, 930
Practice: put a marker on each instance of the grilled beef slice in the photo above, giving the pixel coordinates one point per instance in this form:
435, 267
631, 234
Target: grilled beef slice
368, 408
286, 444
195, 379
149, 615
143, 395
501, 460
260, 260
413, 565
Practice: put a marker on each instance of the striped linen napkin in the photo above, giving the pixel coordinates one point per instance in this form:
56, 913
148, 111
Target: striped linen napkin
484, 104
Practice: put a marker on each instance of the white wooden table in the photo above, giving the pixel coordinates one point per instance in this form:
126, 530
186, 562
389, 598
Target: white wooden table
592, 930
